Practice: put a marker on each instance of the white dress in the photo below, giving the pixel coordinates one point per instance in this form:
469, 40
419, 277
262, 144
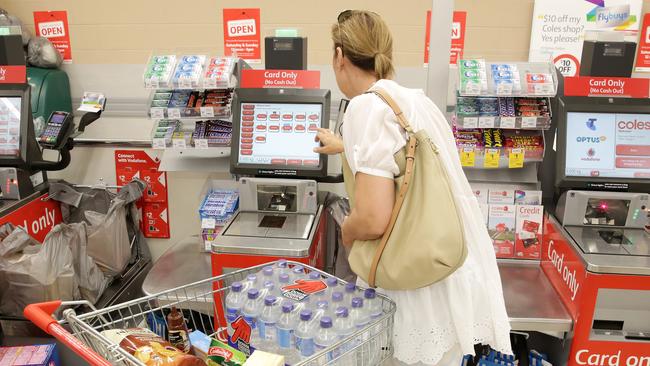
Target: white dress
468, 306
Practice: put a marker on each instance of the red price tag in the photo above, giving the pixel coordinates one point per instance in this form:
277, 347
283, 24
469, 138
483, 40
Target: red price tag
567, 64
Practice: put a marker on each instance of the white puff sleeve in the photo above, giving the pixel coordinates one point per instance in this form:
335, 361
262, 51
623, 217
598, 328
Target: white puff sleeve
371, 136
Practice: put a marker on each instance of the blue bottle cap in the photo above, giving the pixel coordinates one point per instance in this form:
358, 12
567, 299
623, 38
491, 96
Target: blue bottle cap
357, 302
305, 315
237, 286
269, 284
253, 293
342, 312
284, 278
270, 300
314, 276
252, 277
287, 307
331, 281
323, 304
268, 271
369, 293
298, 269
231, 311
350, 287
282, 263
337, 296
326, 322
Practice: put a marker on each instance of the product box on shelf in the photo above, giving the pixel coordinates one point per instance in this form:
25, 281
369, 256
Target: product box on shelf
33, 355
501, 227
217, 208
528, 197
188, 71
478, 77
528, 236
501, 196
159, 71
185, 103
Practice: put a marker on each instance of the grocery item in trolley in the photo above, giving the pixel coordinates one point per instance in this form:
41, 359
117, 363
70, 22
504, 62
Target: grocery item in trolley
149, 348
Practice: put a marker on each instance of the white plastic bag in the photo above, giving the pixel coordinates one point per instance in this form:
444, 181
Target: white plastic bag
108, 238
35, 272
92, 281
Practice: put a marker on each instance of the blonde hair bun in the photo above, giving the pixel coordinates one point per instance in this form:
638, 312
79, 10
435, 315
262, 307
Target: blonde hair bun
366, 41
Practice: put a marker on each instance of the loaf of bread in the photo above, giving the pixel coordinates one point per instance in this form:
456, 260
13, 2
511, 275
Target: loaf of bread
150, 349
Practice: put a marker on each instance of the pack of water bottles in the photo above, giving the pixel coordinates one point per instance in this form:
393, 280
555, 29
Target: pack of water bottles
309, 317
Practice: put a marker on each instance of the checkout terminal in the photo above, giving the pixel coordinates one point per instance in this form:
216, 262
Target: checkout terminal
596, 248
281, 212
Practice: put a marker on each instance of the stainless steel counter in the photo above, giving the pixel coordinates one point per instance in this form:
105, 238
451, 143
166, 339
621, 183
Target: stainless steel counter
531, 301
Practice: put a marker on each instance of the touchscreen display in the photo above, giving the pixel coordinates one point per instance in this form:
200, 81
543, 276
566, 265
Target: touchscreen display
279, 134
608, 145
10, 125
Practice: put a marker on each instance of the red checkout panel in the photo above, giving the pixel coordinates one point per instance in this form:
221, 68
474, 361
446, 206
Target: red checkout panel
596, 247
281, 212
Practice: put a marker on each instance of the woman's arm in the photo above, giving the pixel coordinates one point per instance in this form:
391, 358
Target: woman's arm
374, 198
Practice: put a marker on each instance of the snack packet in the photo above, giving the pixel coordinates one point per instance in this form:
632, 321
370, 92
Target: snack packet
221, 354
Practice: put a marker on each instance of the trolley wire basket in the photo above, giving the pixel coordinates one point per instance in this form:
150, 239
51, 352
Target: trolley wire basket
201, 302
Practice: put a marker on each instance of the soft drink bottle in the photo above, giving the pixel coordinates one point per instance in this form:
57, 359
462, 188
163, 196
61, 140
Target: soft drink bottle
268, 321
235, 298
305, 335
344, 327
326, 337
285, 336
251, 313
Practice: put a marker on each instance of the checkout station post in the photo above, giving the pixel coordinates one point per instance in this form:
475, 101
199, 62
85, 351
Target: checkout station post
595, 250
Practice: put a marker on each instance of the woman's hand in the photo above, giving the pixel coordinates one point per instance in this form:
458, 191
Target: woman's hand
331, 144
347, 240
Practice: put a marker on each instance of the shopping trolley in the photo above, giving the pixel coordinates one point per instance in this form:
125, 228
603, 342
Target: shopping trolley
368, 346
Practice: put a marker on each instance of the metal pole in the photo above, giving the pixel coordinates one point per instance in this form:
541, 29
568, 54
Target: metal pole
439, 51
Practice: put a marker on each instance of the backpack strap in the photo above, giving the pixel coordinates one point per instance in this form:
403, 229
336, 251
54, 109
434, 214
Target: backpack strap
408, 175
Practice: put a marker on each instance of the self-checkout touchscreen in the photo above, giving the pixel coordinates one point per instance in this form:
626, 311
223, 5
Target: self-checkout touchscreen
279, 134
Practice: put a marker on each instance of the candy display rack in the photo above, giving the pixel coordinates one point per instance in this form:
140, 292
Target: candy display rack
506, 79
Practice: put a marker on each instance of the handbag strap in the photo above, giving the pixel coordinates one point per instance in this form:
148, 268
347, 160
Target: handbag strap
410, 161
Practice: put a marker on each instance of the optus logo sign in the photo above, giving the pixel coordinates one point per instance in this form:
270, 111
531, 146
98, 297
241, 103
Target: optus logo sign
591, 139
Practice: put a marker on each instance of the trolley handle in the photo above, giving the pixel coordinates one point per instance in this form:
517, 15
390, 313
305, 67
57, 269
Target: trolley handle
41, 315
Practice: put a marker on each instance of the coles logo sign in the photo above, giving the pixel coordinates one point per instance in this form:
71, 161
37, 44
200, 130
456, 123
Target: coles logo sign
634, 124
52, 29
241, 28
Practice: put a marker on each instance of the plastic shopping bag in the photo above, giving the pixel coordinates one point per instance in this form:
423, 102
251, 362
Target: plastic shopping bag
34, 272
92, 281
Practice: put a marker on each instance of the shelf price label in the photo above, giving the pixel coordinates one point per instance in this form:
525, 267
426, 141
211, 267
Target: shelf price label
491, 158
467, 156
470, 122
486, 122
158, 143
528, 122
507, 122
208, 223
174, 113
207, 112
157, 112
201, 143
472, 88
516, 158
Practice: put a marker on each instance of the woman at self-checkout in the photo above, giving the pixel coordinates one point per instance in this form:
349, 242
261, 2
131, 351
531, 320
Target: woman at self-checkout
439, 323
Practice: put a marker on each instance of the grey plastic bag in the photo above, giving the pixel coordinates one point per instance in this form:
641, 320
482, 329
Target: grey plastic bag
34, 272
108, 238
92, 281
41, 53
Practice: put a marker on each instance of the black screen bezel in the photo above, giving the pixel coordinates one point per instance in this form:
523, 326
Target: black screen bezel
288, 96
18, 91
595, 105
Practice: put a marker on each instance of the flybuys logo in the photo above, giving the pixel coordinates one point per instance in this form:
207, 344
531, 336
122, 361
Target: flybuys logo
618, 16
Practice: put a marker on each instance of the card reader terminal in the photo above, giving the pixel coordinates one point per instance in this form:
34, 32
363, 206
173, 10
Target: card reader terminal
56, 129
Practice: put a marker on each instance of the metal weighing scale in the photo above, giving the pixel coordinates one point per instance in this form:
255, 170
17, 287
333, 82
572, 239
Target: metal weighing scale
608, 227
276, 217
